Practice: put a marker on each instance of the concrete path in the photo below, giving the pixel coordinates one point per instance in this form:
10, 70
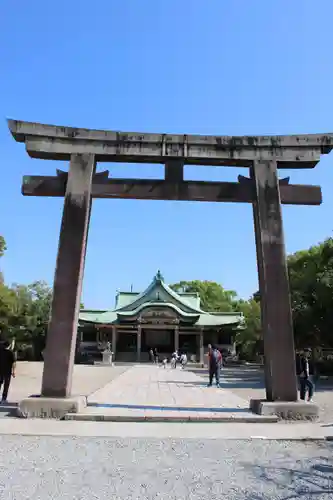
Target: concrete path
158, 430
146, 392
86, 379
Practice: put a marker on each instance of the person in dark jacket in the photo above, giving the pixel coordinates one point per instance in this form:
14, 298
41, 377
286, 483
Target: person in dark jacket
7, 368
306, 382
215, 363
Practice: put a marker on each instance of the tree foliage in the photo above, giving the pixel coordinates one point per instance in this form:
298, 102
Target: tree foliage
32, 310
249, 340
3, 247
213, 296
311, 285
311, 292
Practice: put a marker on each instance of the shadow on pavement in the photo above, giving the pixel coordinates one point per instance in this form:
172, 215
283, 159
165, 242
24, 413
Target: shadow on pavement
237, 377
185, 383
8, 409
170, 408
304, 481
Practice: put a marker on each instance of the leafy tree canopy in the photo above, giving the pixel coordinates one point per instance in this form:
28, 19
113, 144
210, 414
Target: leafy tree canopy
3, 247
311, 285
213, 296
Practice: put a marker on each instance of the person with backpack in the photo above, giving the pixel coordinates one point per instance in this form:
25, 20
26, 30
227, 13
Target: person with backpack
215, 363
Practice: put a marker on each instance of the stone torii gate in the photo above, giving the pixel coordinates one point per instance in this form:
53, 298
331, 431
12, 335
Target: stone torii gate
83, 148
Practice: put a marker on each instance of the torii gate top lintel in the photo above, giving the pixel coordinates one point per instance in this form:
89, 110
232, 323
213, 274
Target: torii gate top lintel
59, 143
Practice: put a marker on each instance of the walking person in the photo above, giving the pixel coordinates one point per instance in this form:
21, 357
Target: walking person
151, 355
174, 359
7, 369
306, 381
183, 360
215, 362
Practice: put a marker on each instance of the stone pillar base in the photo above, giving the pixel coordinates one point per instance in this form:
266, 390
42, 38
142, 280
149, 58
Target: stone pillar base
287, 410
107, 358
41, 407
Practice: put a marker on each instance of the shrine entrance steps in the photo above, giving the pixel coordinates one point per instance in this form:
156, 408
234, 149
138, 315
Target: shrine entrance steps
147, 393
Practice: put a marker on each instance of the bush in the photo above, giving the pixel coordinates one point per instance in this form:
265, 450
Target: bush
25, 352
324, 367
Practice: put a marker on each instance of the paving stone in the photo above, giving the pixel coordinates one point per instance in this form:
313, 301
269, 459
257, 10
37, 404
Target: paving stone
147, 391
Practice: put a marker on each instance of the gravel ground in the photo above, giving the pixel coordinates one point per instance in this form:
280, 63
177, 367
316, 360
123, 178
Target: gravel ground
111, 468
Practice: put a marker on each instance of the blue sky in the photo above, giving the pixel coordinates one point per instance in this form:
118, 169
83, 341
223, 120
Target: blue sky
227, 67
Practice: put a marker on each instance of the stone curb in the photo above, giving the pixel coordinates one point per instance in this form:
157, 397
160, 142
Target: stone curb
168, 419
303, 439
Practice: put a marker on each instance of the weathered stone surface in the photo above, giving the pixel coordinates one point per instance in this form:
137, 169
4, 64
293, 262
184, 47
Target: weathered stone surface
174, 171
111, 415
34, 185
297, 410
56, 142
61, 149
277, 325
61, 338
41, 407
21, 129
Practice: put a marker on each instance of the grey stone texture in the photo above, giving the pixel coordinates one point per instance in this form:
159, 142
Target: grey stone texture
40, 407
62, 332
294, 410
61, 468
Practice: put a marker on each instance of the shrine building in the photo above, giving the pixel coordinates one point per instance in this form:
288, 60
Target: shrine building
157, 318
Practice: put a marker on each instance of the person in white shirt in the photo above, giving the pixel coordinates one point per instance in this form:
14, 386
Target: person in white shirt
174, 359
183, 360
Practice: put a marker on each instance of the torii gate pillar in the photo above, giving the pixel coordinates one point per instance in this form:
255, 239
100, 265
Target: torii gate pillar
276, 316
61, 337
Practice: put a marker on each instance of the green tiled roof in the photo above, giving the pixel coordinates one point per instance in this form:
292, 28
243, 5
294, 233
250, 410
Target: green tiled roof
134, 312
160, 291
159, 294
125, 298
102, 317
207, 319
193, 299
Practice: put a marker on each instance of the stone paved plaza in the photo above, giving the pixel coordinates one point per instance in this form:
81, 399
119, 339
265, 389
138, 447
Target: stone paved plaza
86, 379
150, 391
151, 386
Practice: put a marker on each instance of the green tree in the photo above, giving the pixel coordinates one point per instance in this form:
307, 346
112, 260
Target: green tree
7, 307
7, 297
311, 291
29, 319
213, 296
249, 339
311, 285
3, 247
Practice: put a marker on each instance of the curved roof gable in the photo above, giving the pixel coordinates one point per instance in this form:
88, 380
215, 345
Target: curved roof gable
174, 307
159, 291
